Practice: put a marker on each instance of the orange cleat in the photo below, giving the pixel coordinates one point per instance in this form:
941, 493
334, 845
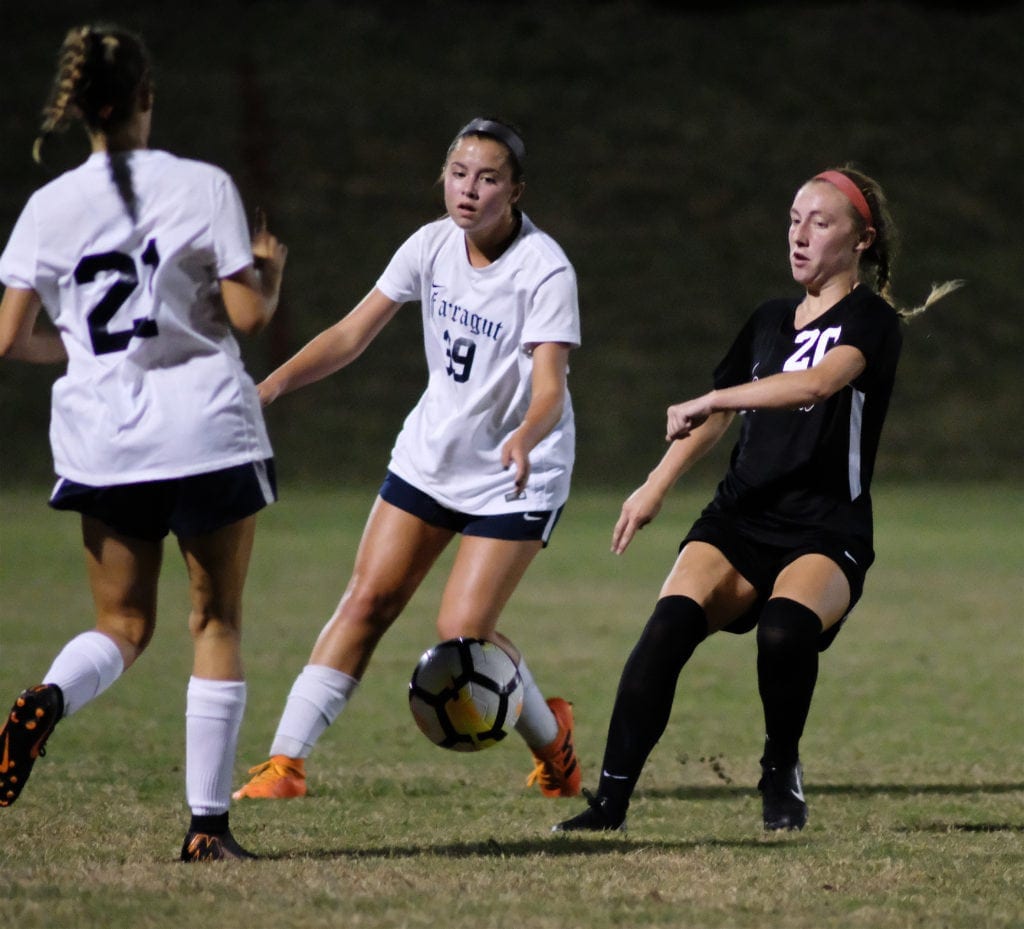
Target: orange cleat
557, 769
280, 778
202, 846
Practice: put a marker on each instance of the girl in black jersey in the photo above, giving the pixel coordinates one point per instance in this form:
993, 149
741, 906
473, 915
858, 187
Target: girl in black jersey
786, 541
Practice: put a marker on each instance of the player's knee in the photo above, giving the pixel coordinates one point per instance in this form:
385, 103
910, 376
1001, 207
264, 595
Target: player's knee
676, 624
131, 634
676, 627
368, 608
455, 627
786, 626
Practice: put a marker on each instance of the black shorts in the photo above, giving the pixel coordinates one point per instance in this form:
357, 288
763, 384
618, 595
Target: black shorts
760, 561
186, 506
530, 526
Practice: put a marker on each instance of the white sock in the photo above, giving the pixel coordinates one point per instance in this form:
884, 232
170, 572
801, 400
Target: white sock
537, 724
85, 667
318, 695
213, 716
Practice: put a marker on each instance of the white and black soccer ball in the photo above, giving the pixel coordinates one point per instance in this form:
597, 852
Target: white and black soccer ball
466, 694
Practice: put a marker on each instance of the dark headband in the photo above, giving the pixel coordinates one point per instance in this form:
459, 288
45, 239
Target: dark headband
504, 134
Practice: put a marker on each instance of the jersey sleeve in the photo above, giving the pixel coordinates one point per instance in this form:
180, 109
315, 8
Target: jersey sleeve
735, 366
554, 313
874, 331
401, 279
229, 229
18, 261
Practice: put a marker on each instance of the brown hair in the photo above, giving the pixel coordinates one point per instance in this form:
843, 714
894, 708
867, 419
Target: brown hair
878, 259
511, 139
101, 71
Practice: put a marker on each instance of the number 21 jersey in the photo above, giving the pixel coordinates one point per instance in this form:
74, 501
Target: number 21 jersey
155, 386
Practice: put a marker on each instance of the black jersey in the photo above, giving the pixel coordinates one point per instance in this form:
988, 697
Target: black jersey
810, 469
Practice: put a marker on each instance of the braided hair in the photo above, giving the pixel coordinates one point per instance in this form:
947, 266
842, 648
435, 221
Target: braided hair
101, 71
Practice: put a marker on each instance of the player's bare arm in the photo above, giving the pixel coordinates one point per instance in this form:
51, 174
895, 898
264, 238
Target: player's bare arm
19, 338
548, 389
785, 391
252, 294
644, 504
332, 349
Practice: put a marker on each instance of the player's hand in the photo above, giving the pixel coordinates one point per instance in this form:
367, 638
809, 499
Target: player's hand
268, 391
684, 417
640, 508
268, 252
513, 452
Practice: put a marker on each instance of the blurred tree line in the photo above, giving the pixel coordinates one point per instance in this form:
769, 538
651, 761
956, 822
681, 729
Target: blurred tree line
665, 144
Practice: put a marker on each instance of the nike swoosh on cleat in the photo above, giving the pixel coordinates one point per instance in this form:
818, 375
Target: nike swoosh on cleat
6, 762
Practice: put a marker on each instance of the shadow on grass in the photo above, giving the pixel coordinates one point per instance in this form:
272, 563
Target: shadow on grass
944, 828
553, 847
726, 791
614, 844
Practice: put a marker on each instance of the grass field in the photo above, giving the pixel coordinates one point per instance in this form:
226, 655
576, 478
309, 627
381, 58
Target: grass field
914, 754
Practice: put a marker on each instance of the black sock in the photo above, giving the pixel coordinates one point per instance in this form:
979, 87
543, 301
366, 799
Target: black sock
646, 691
217, 824
787, 670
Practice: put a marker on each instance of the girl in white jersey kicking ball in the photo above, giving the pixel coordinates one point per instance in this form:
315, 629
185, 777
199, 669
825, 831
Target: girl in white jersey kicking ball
144, 263
486, 453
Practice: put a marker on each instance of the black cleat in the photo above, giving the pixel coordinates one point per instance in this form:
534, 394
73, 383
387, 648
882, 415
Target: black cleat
204, 846
782, 796
23, 737
599, 816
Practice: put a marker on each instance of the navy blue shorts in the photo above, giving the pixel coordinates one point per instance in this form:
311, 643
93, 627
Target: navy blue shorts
186, 506
761, 562
530, 526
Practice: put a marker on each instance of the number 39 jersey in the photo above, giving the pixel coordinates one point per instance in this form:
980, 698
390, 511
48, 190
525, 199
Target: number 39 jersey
479, 328
811, 468
155, 387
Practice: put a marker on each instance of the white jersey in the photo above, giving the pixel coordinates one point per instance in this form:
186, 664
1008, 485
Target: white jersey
155, 387
479, 329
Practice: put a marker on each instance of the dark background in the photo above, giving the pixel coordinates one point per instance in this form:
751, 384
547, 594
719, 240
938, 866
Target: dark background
665, 145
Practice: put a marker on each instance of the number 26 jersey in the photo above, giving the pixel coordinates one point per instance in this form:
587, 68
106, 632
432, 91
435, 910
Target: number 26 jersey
811, 468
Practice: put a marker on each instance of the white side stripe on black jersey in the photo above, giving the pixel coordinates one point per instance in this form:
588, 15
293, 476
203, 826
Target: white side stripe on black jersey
856, 424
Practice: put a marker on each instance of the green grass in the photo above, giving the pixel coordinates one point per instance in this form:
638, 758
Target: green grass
913, 755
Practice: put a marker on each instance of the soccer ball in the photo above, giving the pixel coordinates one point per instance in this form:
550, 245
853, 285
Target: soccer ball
466, 694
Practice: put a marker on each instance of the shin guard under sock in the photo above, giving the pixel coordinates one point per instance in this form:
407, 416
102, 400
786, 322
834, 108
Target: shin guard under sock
787, 670
646, 691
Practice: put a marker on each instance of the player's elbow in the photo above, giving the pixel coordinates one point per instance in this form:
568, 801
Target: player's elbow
249, 316
817, 388
818, 394
251, 325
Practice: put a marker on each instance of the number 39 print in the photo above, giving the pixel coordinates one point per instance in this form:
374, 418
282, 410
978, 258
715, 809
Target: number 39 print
460, 357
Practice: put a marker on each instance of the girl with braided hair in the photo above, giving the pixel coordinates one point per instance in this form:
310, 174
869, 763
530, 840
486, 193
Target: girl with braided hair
786, 542
144, 264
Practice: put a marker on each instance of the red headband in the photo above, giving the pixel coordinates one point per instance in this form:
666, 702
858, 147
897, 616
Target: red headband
850, 190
